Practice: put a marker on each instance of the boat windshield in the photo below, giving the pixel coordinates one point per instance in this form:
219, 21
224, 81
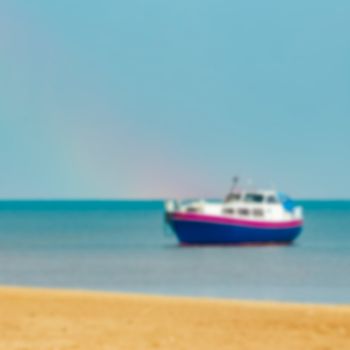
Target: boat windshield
232, 197
254, 198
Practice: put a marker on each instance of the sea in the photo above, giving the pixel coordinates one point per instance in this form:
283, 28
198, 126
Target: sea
125, 246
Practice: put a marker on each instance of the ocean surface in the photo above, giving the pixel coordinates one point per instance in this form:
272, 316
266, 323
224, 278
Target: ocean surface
124, 246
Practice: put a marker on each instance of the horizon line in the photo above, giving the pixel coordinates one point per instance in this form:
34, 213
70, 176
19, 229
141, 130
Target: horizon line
110, 199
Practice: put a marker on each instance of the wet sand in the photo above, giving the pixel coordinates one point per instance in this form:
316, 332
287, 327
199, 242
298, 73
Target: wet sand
41, 319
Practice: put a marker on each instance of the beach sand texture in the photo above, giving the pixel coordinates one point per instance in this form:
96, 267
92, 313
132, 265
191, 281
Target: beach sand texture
49, 319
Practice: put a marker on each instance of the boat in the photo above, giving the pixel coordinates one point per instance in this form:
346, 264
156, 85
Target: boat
245, 216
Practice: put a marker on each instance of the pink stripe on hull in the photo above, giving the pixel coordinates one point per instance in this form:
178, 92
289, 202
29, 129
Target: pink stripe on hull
239, 222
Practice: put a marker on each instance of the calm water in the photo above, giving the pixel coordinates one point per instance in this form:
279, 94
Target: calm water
122, 246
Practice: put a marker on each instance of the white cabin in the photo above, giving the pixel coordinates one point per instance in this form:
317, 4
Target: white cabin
261, 205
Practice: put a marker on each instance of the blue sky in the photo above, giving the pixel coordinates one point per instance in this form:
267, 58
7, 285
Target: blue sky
149, 99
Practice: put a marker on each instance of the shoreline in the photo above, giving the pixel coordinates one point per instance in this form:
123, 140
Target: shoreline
99, 293
38, 318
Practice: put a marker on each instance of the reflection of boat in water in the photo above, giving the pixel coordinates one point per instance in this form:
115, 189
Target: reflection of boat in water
244, 217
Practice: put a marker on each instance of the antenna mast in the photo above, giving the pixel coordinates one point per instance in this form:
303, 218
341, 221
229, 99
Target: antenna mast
235, 181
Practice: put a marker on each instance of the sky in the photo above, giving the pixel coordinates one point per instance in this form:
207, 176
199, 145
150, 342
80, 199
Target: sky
160, 99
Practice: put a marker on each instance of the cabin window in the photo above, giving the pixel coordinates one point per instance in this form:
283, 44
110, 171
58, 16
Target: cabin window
243, 212
228, 211
258, 213
271, 199
192, 210
232, 197
254, 198
236, 196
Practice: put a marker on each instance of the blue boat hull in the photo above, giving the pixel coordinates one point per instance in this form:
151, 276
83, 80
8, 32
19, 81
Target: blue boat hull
196, 232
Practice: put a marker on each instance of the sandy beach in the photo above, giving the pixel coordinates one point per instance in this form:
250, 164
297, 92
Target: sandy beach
53, 319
